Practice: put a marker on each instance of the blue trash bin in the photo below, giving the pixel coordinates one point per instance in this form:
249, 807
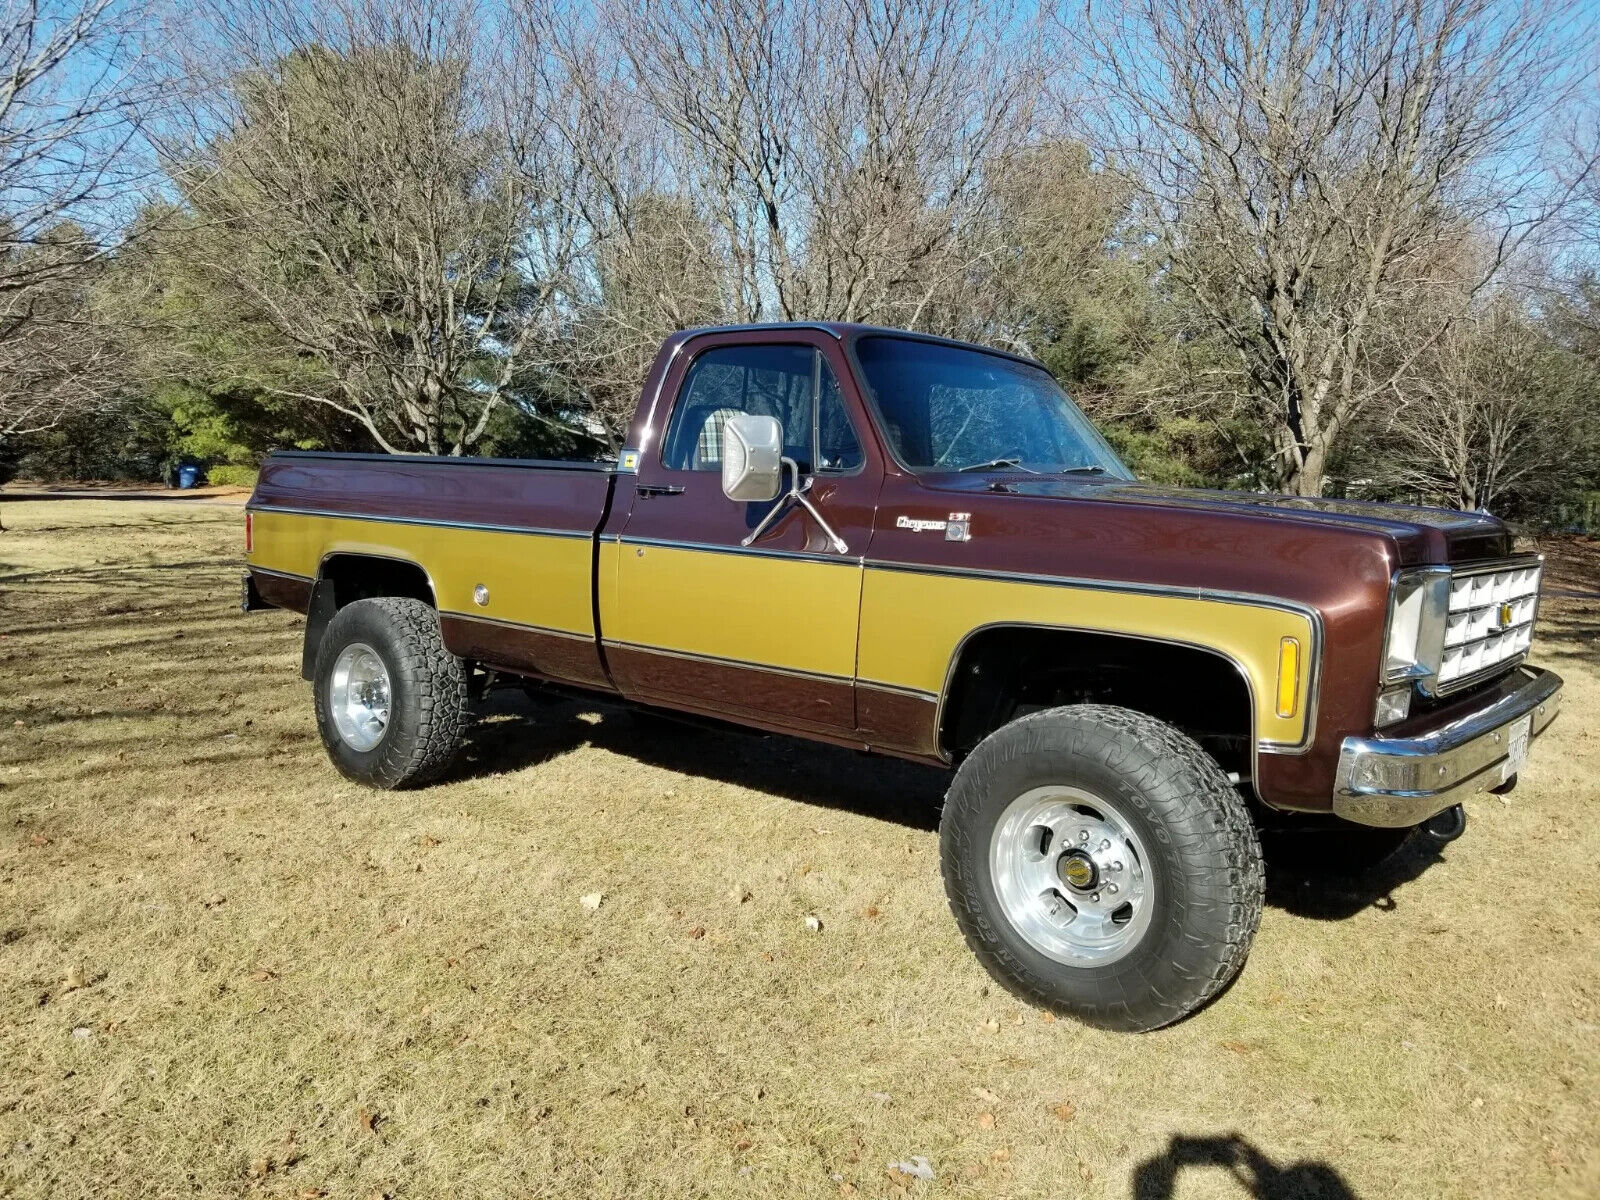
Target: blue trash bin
188, 476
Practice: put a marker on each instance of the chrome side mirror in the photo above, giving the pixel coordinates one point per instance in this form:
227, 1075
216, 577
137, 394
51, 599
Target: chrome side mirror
752, 457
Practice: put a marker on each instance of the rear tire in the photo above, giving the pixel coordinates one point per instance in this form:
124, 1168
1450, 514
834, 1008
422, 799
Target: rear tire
1052, 809
391, 701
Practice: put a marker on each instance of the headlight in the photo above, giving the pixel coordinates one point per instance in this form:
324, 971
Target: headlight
1415, 638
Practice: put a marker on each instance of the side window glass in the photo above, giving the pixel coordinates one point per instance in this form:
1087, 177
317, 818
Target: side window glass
772, 381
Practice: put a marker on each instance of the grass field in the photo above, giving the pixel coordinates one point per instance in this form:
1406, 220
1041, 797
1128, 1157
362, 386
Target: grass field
224, 971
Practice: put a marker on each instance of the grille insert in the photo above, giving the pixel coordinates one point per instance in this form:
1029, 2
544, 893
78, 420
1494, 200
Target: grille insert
1490, 622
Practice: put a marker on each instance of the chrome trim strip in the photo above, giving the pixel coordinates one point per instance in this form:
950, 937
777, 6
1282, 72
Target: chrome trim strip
1261, 745
571, 634
1258, 746
536, 464
897, 690
1461, 755
691, 656
250, 566
1103, 585
845, 560
434, 522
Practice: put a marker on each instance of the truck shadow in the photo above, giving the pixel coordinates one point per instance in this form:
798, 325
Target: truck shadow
1320, 896
1232, 1155
826, 776
518, 733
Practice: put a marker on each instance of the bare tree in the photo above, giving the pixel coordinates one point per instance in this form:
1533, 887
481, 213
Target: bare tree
1488, 409
70, 108
1304, 163
370, 194
837, 152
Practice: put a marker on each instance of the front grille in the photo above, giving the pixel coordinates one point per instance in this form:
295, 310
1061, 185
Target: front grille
1490, 623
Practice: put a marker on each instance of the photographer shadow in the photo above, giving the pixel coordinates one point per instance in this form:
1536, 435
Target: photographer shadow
1157, 1177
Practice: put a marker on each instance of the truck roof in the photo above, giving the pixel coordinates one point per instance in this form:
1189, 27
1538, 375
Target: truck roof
846, 331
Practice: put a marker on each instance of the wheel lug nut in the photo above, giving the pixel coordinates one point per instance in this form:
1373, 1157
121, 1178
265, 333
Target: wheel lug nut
1105, 845
1112, 888
1083, 835
1116, 866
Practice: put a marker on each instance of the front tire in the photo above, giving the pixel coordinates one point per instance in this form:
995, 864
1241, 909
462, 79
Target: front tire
1100, 864
391, 701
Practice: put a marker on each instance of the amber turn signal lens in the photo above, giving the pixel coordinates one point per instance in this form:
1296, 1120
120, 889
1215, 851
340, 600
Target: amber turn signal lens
1288, 676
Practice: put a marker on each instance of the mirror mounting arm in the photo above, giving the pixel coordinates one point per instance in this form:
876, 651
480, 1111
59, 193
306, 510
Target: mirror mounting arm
797, 492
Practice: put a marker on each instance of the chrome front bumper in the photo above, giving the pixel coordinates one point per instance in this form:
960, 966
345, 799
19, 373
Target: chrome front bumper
1395, 782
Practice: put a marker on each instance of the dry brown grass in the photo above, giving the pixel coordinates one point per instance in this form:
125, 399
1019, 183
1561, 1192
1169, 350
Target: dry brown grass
225, 971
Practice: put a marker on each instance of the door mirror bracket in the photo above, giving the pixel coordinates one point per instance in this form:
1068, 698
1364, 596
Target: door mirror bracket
752, 470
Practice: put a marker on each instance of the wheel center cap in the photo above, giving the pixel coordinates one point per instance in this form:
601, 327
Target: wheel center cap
1077, 870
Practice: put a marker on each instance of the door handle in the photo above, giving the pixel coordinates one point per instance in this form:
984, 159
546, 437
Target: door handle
658, 489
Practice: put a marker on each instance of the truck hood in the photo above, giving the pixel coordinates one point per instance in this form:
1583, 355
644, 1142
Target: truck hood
1423, 534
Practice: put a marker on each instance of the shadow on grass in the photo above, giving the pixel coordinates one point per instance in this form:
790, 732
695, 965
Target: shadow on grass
1323, 896
1235, 1157
519, 733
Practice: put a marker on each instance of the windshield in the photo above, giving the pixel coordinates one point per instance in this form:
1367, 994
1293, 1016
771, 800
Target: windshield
947, 408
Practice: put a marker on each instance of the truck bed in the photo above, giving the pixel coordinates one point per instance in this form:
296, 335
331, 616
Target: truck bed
522, 530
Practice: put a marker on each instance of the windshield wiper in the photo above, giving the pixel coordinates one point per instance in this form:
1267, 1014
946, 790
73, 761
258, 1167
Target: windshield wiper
996, 464
1083, 470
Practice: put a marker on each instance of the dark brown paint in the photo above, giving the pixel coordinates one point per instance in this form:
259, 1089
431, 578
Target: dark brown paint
1334, 558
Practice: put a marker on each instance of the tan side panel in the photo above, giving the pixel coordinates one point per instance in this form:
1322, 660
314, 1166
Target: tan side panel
791, 613
533, 579
912, 624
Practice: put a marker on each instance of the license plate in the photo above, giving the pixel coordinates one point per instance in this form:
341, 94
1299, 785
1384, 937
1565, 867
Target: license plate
1517, 754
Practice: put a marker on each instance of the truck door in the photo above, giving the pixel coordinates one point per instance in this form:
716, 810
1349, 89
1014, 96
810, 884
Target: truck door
704, 617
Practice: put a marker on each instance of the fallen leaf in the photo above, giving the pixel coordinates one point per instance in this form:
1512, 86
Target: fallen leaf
1049, 1018
992, 1025
814, 923
428, 839
215, 900
262, 974
313, 1193
871, 911
368, 1120
75, 979
1085, 1170
591, 902
260, 1167
985, 1095
740, 894
1064, 1111
1236, 1047
1001, 1154
38, 839
986, 1120
698, 932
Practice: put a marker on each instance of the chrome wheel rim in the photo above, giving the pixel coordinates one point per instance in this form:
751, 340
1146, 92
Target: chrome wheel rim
358, 696
1072, 876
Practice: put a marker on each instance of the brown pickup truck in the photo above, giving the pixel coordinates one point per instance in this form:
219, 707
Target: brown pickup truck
918, 547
